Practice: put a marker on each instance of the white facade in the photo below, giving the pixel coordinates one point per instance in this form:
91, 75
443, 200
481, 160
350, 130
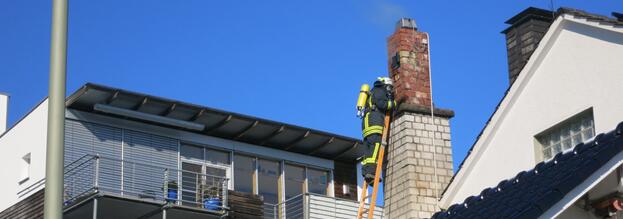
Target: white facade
4, 111
25, 141
577, 67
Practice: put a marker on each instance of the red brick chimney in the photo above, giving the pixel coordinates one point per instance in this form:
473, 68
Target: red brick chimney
407, 49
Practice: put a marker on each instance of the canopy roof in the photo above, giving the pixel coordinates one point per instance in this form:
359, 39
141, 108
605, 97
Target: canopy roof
213, 122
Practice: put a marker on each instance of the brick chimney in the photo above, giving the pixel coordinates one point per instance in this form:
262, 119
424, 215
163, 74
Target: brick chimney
523, 36
419, 154
409, 62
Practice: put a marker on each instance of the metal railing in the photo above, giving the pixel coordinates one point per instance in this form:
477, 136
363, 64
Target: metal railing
95, 174
315, 206
291, 208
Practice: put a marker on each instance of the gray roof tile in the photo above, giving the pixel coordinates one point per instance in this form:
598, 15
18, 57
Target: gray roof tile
530, 193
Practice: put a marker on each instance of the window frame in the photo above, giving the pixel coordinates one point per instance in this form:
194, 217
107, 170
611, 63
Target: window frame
257, 157
25, 163
542, 137
229, 168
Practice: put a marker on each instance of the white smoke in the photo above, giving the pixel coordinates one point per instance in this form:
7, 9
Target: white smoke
384, 13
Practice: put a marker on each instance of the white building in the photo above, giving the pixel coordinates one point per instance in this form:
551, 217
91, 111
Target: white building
125, 153
569, 90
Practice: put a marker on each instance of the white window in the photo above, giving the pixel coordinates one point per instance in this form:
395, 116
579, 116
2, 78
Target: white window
24, 167
567, 134
201, 167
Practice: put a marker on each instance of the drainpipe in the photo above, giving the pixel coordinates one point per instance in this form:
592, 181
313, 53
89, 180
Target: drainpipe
53, 202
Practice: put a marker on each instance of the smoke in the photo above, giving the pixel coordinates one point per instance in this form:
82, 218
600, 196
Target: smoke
383, 13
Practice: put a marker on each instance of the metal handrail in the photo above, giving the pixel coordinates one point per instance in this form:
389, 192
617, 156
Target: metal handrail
281, 211
300, 206
87, 156
96, 174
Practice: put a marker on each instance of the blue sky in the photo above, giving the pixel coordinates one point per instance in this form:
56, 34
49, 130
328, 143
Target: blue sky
299, 62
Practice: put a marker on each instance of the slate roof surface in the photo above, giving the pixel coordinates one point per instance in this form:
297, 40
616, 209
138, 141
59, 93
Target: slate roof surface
592, 17
530, 193
563, 10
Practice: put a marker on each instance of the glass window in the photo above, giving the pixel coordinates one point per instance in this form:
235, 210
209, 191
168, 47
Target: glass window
192, 152
244, 168
217, 157
317, 180
216, 171
268, 178
294, 177
566, 135
24, 169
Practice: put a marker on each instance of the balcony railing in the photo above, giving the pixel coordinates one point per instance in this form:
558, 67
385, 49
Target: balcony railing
94, 174
316, 206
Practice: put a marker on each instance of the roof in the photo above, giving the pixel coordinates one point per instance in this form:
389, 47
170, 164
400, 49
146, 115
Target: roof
511, 90
531, 12
592, 17
213, 122
531, 193
547, 15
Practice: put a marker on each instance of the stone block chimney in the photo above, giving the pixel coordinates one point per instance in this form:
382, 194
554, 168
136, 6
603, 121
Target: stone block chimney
523, 36
419, 155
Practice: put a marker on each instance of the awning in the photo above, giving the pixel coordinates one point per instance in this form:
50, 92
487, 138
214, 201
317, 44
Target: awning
213, 122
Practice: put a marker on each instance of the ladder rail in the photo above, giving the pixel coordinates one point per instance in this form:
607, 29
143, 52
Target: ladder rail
362, 202
379, 167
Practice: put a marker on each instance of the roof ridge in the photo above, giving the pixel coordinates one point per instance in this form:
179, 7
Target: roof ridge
589, 16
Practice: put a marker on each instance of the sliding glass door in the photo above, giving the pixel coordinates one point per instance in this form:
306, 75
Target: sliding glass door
268, 180
294, 180
244, 174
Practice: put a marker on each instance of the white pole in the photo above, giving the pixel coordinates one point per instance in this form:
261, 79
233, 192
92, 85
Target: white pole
432, 119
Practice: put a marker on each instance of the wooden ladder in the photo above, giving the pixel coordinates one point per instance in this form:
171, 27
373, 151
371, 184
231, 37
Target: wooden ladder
379, 166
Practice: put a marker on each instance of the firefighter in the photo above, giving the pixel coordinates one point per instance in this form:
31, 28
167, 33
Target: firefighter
379, 101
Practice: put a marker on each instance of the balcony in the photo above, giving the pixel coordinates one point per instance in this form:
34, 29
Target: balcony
309, 206
98, 187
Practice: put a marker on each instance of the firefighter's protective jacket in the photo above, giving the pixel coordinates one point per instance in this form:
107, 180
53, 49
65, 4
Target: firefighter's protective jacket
378, 103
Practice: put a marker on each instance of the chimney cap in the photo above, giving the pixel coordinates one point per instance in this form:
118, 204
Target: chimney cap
531, 12
408, 23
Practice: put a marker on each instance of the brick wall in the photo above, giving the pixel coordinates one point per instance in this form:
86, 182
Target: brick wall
408, 65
